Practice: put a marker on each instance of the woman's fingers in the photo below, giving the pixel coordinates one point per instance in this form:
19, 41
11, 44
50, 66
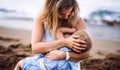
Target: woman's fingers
78, 51
80, 45
79, 48
83, 45
76, 37
77, 44
80, 41
75, 41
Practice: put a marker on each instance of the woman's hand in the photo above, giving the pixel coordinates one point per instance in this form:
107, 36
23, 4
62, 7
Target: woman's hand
74, 43
56, 55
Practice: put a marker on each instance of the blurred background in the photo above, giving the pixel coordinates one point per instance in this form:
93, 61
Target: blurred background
102, 19
102, 16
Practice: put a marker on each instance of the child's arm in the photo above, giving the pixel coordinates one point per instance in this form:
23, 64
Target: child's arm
67, 30
60, 32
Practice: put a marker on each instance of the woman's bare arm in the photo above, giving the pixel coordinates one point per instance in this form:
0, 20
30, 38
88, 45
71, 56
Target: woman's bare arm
36, 41
78, 57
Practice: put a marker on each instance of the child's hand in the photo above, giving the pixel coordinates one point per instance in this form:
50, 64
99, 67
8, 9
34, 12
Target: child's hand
67, 30
73, 30
56, 55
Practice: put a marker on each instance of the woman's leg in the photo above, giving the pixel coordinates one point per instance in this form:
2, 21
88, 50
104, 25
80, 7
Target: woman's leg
19, 65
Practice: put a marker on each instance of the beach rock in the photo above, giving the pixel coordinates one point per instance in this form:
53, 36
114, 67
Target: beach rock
4, 50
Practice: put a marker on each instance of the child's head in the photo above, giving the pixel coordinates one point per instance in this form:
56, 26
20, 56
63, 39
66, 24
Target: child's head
85, 37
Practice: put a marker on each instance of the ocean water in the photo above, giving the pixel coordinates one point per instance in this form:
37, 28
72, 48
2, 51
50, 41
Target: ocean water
30, 8
26, 10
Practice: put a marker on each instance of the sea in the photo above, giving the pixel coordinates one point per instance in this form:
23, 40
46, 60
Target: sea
26, 10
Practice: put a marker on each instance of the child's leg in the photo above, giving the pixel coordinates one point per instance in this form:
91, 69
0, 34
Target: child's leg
19, 65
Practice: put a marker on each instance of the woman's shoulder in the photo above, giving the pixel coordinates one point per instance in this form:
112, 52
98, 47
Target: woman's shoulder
79, 20
38, 20
80, 23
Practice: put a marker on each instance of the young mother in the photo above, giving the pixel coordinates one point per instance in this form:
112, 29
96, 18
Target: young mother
56, 14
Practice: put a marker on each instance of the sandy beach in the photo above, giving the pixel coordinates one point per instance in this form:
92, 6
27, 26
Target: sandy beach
15, 45
102, 22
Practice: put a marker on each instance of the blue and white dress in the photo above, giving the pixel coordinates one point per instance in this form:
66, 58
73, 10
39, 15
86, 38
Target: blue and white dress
34, 63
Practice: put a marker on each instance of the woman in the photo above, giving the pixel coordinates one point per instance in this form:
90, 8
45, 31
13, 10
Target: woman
56, 14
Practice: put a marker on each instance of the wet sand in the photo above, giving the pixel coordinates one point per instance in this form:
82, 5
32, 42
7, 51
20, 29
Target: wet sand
15, 45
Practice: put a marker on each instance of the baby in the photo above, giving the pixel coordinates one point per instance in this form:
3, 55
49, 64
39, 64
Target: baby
47, 64
41, 62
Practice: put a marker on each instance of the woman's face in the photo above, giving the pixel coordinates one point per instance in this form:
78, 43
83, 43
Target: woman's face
64, 14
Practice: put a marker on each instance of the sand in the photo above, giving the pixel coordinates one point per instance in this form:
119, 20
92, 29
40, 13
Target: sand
15, 45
